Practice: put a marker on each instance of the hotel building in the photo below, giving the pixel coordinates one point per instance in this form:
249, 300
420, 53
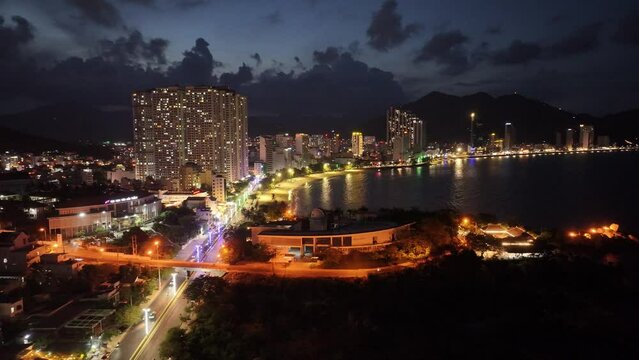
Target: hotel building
199, 124
404, 124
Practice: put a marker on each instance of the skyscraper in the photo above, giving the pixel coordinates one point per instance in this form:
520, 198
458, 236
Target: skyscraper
586, 136
404, 123
177, 125
570, 139
301, 144
357, 143
509, 136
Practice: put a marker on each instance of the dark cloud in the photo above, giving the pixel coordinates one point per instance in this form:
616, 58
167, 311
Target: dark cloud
100, 12
134, 50
140, 2
627, 31
243, 75
386, 30
582, 40
197, 65
346, 88
328, 56
257, 58
274, 18
299, 64
446, 49
493, 30
557, 19
13, 37
187, 4
518, 52
354, 48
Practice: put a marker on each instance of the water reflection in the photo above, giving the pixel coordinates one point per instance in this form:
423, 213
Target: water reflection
545, 190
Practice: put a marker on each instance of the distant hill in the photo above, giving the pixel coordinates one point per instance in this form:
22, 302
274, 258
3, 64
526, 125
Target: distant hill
13, 140
72, 122
448, 118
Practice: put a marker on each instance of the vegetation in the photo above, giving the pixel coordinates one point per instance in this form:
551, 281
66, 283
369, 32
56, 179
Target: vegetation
237, 248
460, 306
177, 224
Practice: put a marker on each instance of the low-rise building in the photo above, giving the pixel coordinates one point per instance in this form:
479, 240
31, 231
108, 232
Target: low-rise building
89, 214
17, 252
287, 238
60, 266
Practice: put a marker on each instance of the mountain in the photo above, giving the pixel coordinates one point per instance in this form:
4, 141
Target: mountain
447, 118
71, 122
13, 140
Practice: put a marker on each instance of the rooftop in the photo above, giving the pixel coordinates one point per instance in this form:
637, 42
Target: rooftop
102, 198
357, 228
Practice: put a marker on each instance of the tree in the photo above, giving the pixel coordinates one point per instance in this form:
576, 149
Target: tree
174, 345
205, 287
127, 316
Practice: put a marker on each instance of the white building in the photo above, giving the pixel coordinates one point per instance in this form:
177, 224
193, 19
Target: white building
357, 144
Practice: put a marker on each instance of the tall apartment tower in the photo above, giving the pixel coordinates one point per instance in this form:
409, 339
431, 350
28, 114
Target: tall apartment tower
357, 144
301, 143
401, 123
570, 139
509, 136
267, 146
586, 136
203, 125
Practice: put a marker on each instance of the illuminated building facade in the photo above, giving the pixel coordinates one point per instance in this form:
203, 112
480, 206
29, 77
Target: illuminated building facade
586, 136
357, 144
199, 124
402, 123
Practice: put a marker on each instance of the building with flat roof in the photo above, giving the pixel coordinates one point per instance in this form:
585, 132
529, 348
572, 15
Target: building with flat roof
115, 211
287, 238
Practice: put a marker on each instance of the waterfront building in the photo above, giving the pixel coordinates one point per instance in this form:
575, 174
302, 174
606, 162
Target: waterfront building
200, 124
357, 144
570, 139
603, 140
509, 136
586, 136
301, 143
320, 236
267, 144
403, 123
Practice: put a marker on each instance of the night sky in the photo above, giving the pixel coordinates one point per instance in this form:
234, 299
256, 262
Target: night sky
321, 57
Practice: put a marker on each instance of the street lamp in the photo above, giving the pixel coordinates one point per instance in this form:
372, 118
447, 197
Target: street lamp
146, 320
44, 234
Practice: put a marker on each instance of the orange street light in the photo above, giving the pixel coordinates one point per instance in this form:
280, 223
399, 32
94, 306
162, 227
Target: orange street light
593, 230
465, 221
149, 252
101, 249
156, 243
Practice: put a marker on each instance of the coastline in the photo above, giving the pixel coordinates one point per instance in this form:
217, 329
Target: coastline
284, 188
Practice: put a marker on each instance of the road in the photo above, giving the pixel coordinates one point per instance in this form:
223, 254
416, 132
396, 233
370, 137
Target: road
136, 334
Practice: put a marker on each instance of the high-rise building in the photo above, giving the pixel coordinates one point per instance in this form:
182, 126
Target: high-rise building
509, 136
570, 139
586, 136
301, 143
218, 188
369, 140
357, 144
199, 124
284, 140
403, 123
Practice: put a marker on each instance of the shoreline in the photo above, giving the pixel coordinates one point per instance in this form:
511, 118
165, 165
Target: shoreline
284, 189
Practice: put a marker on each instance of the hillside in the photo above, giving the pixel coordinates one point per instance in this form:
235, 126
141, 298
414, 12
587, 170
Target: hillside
448, 118
13, 140
71, 122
